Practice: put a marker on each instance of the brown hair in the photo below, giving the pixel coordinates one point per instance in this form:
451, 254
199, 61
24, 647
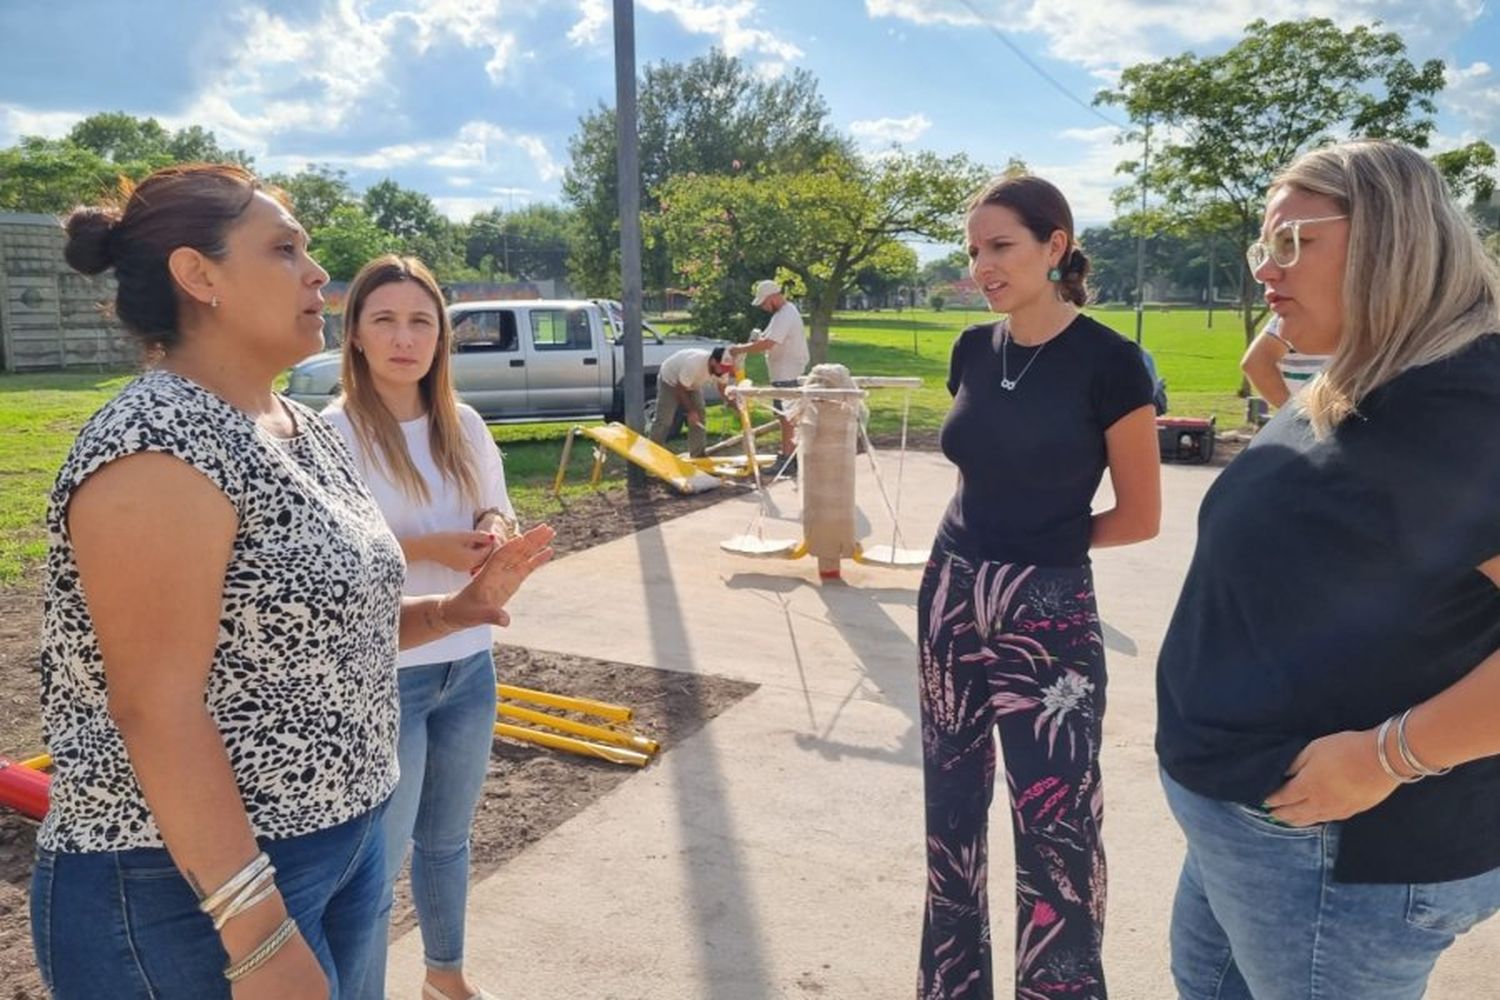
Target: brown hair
1043, 211
188, 205
375, 426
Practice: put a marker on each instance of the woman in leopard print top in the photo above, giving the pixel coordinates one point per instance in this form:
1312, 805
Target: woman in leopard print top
222, 620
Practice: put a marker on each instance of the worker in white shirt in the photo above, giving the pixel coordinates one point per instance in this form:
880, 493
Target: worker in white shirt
679, 385
784, 343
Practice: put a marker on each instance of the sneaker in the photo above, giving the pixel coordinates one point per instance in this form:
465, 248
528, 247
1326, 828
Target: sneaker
787, 466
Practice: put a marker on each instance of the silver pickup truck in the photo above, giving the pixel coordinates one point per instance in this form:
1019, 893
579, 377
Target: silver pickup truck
529, 360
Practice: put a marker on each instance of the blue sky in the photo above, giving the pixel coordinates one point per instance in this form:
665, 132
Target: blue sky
473, 101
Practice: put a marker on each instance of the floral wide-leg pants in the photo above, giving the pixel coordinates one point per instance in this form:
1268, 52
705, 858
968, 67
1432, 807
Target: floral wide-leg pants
1019, 648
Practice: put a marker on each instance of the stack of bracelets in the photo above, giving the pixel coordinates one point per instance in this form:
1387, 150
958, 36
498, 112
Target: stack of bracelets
252, 884
1418, 769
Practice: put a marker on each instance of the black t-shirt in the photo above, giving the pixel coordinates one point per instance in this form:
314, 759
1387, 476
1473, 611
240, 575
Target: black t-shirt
1030, 458
1335, 584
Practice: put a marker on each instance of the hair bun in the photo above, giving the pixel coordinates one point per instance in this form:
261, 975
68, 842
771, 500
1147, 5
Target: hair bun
91, 231
1078, 262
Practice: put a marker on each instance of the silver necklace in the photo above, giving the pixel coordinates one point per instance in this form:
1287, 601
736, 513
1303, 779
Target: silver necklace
1006, 382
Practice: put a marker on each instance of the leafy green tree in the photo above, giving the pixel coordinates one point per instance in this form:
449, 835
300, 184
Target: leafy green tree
815, 228
348, 241
54, 175
712, 115
122, 138
531, 243
316, 192
1223, 125
1469, 170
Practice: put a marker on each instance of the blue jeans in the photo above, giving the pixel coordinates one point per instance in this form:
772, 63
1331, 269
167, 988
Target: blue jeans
1258, 914
126, 925
447, 727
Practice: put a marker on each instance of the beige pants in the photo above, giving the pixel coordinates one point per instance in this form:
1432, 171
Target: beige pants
666, 416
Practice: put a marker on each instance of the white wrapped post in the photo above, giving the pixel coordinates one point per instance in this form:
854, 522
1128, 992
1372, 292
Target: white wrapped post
828, 432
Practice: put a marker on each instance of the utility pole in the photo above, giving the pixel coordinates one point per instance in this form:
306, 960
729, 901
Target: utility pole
1140, 243
627, 164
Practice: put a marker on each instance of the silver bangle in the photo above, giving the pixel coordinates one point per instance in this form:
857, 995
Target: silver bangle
1410, 758
256, 891
1385, 762
263, 952
215, 900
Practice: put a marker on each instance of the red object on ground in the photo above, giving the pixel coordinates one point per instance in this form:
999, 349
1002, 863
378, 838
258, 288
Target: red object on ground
24, 790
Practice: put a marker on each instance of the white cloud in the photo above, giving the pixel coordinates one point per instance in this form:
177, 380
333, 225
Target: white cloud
1139, 30
1473, 92
884, 131
343, 59
593, 16
478, 145
16, 122
1088, 178
727, 22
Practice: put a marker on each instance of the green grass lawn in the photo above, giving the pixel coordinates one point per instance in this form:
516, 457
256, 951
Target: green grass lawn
39, 414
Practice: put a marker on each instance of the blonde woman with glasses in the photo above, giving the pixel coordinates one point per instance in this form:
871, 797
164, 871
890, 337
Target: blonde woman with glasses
1330, 746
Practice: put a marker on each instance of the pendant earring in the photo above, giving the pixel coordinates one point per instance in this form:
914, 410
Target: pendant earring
1054, 275
214, 302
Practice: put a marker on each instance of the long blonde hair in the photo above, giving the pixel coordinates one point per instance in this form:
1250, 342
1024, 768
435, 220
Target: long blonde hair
1418, 285
378, 431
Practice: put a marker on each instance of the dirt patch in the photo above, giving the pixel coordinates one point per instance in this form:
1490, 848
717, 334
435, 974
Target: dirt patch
529, 791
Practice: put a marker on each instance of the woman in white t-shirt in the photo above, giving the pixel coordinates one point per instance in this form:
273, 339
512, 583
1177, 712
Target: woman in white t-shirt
436, 475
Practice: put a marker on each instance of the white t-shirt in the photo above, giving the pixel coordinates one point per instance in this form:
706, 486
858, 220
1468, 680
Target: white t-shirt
788, 359
1298, 369
447, 511
688, 368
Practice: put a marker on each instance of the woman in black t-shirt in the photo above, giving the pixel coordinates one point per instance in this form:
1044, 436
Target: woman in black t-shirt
1327, 690
1044, 402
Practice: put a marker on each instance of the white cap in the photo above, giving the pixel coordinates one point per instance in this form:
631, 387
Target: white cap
764, 290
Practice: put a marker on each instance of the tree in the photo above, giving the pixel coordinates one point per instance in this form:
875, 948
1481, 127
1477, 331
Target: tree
816, 228
712, 115
1223, 125
402, 212
1469, 170
316, 191
953, 267
54, 175
121, 138
887, 272
530, 243
348, 241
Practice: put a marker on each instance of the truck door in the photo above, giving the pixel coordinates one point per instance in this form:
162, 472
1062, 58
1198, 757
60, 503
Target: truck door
566, 372
489, 367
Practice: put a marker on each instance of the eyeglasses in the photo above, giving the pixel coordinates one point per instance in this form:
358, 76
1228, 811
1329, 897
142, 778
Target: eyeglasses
1285, 247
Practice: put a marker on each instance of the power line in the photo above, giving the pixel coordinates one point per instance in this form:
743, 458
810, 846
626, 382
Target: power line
1061, 89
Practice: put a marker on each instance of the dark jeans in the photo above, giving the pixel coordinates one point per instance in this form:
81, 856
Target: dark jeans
126, 925
1016, 648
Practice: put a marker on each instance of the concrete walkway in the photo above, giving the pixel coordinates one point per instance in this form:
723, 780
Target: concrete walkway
778, 852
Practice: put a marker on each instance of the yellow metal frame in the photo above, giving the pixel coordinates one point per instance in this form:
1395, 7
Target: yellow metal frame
568, 703
601, 734
615, 755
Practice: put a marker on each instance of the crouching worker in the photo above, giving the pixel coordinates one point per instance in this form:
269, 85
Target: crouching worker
679, 385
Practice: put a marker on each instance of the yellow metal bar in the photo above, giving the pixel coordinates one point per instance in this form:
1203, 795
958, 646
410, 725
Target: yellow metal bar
588, 706
599, 733
615, 755
598, 472
562, 467
38, 763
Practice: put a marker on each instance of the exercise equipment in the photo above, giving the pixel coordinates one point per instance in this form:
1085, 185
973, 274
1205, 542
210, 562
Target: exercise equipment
638, 450
829, 409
